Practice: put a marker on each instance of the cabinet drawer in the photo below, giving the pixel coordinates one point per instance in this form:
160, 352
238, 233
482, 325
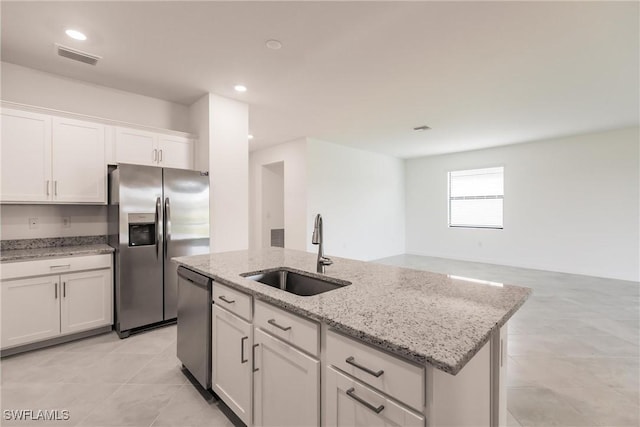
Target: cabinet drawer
39, 267
293, 329
389, 374
234, 301
352, 403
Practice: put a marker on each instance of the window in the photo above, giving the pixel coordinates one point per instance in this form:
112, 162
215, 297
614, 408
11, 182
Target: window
475, 198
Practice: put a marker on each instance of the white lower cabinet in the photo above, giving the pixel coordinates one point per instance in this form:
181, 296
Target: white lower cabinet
30, 310
269, 373
86, 301
231, 361
51, 305
350, 403
286, 384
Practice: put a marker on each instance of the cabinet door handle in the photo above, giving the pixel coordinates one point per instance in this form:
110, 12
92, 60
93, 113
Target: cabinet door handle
48, 187
155, 154
242, 359
273, 322
223, 298
55, 287
55, 187
253, 358
376, 409
352, 361
64, 289
160, 157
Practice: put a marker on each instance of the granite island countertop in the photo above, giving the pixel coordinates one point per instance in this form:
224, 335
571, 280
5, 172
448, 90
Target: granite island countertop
428, 318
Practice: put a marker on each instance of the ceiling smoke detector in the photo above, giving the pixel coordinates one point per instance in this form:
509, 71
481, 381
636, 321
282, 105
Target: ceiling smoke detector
273, 44
77, 55
421, 128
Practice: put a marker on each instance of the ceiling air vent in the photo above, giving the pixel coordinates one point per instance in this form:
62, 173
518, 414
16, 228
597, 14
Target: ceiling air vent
77, 55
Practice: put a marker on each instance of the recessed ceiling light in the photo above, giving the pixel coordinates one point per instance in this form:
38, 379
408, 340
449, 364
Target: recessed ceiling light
421, 128
250, 136
274, 44
76, 35
240, 88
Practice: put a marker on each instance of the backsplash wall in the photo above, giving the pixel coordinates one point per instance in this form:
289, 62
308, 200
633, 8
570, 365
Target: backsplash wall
84, 221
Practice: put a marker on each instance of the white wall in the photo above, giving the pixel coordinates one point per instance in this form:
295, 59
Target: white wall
272, 200
32, 87
228, 174
84, 221
294, 156
360, 195
571, 205
199, 124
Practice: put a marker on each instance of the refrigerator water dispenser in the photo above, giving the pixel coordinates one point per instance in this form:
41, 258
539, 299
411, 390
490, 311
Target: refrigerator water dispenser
142, 229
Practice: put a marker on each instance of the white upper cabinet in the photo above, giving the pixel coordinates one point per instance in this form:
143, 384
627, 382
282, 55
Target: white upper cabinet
153, 149
175, 152
136, 147
79, 169
48, 159
26, 157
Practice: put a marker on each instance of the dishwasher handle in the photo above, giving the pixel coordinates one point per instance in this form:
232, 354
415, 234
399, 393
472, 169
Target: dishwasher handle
193, 277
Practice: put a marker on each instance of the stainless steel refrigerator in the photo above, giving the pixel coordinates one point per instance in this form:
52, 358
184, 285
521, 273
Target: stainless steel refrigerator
154, 214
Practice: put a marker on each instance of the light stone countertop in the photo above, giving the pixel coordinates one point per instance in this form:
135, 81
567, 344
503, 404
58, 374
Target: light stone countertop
54, 251
428, 318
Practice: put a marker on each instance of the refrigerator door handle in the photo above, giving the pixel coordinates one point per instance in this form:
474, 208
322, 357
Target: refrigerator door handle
158, 202
167, 224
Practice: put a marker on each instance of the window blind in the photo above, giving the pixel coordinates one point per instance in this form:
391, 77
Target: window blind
475, 197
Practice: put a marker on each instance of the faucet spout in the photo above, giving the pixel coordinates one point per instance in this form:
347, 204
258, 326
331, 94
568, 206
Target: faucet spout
316, 239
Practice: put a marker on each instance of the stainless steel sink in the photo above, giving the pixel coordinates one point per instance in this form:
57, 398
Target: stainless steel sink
296, 283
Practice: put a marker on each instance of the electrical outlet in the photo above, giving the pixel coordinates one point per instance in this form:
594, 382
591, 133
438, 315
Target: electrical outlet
66, 222
33, 223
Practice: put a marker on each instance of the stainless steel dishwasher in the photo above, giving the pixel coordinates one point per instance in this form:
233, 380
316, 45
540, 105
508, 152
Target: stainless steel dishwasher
194, 324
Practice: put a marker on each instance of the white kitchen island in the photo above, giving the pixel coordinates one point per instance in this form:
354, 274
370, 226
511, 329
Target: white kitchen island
394, 347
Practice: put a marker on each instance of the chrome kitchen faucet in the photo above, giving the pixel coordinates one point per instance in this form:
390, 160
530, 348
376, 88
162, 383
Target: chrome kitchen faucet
316, 239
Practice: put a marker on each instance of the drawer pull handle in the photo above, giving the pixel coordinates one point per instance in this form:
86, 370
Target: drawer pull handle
375, 409
253, 358
61, 266
223, 298
351, 361
273, 322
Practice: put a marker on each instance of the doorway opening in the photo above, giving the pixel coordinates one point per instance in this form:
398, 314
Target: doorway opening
273, 205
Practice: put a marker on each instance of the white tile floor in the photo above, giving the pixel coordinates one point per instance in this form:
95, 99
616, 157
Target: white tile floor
573, 349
